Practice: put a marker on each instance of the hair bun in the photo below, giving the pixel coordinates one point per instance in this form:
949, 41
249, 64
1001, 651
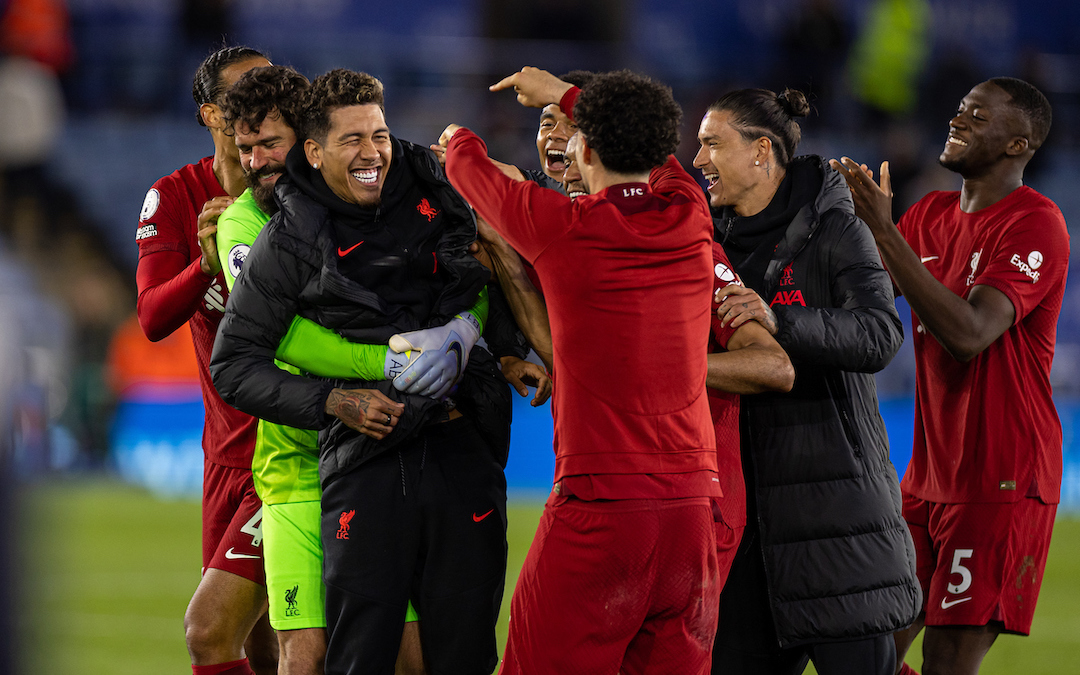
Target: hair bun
794, 103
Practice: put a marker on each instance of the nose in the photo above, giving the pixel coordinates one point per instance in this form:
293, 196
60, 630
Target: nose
701, 159
259, 158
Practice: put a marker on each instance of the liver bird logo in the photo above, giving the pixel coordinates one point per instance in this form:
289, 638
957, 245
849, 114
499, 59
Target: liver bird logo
343, 520
425, 209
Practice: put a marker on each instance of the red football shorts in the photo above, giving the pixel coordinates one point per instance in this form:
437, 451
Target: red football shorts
627, 586
979, 563
232, 522
727, 543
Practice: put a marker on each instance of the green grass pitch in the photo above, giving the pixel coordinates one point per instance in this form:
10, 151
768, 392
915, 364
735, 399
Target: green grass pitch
105, 572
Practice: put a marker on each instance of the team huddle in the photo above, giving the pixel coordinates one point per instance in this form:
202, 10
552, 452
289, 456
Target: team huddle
723, 501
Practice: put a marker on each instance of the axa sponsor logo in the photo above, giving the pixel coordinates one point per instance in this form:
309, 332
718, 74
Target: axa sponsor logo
145, 232
1034, 262
215, 297
290, 598
343, 522
788, 298
426, 210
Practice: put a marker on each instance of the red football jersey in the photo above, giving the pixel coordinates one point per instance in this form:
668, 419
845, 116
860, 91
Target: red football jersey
987, 430
173, 290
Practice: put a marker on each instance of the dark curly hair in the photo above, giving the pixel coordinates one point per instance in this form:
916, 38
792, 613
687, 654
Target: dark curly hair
631, 121
760, 112
261, 91
1032, 105
207, 86
337, 89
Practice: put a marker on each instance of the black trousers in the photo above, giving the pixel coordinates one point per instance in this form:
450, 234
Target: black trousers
426, 522
746, 640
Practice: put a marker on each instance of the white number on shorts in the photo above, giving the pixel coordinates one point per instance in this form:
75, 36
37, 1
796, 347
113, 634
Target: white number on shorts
965, 574
254, 528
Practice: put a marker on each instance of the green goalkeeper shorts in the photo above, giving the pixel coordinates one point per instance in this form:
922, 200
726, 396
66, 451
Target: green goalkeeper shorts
293, 555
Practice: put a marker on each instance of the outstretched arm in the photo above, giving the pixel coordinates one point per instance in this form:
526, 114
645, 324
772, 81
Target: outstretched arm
963, 326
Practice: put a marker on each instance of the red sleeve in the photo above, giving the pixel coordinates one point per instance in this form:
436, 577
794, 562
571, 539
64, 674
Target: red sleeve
566, 103
723, 275
1028, 259
169, 291
508, 205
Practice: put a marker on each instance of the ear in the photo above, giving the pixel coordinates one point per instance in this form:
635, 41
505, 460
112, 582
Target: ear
211, 115
762, 149
1017, 146
312, 151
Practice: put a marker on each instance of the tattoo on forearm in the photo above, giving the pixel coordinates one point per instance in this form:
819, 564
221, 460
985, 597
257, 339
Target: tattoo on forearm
349, 407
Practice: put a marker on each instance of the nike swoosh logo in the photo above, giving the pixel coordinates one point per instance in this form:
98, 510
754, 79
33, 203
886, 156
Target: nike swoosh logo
945, 603
927, 258
477, 519
456, 348
239, 556
349, 250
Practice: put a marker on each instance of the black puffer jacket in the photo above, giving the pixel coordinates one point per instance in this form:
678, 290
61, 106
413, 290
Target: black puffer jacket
292, 269
838, 557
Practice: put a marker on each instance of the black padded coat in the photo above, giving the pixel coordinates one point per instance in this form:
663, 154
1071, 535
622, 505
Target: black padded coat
839, 560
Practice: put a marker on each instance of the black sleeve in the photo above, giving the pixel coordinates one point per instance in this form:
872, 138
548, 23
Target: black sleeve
501, 332
260, 310
862, 331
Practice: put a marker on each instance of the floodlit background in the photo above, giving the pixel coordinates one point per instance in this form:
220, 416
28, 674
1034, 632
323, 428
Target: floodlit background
101, 428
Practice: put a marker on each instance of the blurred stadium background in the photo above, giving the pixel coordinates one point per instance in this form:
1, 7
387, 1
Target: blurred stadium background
101, 428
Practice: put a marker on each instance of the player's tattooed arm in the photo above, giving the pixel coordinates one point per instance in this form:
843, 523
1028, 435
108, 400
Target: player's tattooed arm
739, 304
368, 411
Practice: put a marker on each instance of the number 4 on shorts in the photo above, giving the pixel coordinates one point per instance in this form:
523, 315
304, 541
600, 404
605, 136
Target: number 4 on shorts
254, 528
965, 574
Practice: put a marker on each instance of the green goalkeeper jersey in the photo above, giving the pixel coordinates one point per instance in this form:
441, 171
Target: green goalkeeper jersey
286, 460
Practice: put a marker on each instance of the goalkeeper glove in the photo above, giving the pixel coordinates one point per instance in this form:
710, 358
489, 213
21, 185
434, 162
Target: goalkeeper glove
443, 354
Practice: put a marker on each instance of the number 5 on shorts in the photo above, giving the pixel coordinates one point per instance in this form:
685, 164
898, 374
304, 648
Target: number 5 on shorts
254, 528
965, 574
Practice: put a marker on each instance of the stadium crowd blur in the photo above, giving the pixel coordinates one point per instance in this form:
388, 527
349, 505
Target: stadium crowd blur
94, 106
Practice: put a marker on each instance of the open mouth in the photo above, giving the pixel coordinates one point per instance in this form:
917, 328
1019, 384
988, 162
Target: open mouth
366, 176
556, 160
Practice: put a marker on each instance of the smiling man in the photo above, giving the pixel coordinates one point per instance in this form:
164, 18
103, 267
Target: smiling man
371, 242
984, 272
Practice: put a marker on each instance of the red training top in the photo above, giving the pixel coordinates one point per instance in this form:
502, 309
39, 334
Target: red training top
173, 290
987, 430
627, 278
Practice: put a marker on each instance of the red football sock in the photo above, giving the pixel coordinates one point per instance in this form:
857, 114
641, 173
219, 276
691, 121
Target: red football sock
231, 668
907, 670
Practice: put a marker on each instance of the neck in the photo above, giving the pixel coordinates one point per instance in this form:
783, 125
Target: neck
601, 179
227, 165
761, 195
986, 190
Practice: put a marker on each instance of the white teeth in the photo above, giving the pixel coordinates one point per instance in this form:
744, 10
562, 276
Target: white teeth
366, 176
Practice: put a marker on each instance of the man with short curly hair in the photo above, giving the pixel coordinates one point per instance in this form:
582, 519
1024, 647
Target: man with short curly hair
622, 574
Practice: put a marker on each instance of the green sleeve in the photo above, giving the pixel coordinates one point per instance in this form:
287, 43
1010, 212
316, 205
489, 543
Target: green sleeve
322, 352
480, 309
237, 227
